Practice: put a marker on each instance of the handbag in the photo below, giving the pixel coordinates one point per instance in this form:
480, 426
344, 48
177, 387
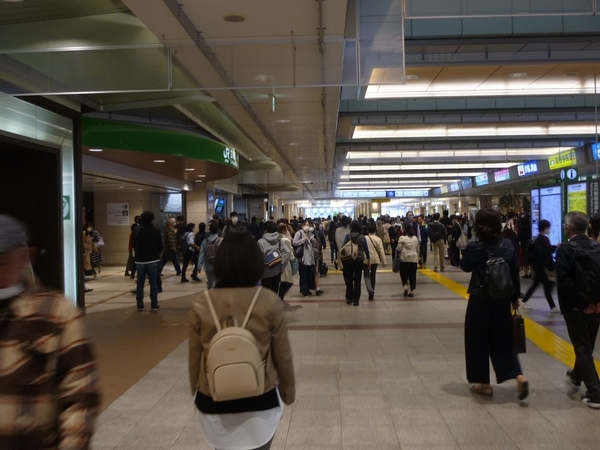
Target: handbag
519, 332
396, 265
294, 266
95, 258
299, 252
462, 242
272, 259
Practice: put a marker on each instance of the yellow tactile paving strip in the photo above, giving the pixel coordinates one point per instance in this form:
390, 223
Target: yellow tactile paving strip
541, 336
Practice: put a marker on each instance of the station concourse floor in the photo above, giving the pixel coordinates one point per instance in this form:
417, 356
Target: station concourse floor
388, 374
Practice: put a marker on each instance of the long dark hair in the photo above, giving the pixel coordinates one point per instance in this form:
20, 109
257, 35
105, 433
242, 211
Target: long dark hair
239, 260
488, 224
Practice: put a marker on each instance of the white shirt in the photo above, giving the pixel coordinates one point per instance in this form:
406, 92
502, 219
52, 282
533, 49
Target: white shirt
240, 431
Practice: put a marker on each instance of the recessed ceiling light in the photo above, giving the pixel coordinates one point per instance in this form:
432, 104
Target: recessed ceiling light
159, 160
518, 75
293, 143
190, 169
201, 176
197, 181
120, 187
412, 77
233, 18
299, 157
571, 74
262, 77
283, 121
380, 128
95, 150
139, 189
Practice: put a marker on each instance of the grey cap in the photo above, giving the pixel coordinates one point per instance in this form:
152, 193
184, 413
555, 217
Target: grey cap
13, 233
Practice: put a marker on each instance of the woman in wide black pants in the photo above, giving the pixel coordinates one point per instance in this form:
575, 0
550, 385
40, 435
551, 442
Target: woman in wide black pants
488, 322
353, 268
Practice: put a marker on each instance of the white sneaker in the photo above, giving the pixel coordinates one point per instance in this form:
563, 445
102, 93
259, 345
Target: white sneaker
525, 305
555, 310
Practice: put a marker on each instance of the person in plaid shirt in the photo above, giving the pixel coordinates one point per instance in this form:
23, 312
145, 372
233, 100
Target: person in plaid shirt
49, 392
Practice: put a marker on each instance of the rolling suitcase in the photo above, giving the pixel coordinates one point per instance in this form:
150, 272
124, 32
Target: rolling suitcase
323, 269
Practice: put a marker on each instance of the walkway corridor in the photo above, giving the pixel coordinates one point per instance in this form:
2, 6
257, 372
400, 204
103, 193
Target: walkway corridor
386, 375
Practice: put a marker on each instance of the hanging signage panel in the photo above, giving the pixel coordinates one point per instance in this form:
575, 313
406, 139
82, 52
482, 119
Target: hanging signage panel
563, 159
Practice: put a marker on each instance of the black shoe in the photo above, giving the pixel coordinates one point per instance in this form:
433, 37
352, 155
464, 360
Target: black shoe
178, 274
159, 290
134, 291
348, 302
196, 279
127, 274
371, 295
88, 290
319, 292
572, 381
185, 280
155, 308
309, 294
406, 292
140, 307
355, 304
411, 295
591, 403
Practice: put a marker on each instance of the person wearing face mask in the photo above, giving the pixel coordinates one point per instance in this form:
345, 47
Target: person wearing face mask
542, 265
306, 264
233, 225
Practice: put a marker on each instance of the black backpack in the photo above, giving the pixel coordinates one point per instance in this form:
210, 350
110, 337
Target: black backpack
587, 271
497, 282
435, 231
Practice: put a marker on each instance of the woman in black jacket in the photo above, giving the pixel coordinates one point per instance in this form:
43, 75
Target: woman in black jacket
488, 323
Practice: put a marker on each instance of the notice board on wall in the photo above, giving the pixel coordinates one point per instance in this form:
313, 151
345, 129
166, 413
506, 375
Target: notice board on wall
117, 214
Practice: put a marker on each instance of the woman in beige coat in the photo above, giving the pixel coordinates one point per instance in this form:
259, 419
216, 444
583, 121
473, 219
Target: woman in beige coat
408, 252
377, 253
247, 423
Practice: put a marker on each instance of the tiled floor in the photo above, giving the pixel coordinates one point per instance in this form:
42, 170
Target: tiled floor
386, 375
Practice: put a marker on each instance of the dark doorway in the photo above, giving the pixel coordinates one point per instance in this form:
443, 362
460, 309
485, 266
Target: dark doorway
30, 184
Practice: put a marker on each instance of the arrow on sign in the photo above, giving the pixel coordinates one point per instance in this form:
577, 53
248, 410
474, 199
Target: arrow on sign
125, 206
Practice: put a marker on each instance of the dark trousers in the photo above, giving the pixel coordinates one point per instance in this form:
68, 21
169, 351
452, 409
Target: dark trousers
423, 256
169, 255
539, 277
151, 270
408, 274
284, 288
489, 335
353, 270
187, 257
307, 278
333, 248
394, 245
371, 274
272, 283
454, 253
583, 330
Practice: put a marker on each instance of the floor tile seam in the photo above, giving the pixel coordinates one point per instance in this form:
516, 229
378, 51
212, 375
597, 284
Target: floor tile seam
544, 338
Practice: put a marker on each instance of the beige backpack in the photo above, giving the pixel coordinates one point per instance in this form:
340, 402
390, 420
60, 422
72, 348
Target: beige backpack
234, 367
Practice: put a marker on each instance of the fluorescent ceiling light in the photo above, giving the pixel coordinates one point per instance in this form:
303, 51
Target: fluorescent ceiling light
449, 166
403, 184
411, 175
398, 154
409, 91
430, 131
190, 169
96, 150
159, 160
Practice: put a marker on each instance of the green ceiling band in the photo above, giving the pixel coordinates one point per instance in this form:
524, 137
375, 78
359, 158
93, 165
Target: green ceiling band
98, 133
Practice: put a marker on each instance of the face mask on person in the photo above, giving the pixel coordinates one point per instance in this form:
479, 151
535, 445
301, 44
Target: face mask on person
89, 229
311, 229
307, 228
234, 220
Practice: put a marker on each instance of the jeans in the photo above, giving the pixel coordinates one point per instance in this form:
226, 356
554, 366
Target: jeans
353, 270
187, 257
172, 256
583, 330
150, 269
371, 275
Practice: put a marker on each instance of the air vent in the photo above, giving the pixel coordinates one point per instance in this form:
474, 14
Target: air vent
233, 18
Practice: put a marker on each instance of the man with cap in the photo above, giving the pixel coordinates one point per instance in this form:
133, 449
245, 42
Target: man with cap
49, 392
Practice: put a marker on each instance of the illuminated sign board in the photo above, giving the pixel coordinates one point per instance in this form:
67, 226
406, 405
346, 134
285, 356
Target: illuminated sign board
482, 180
501, 175
382, 194
577, 197
467, 183
454, 187
596, 152
563, 159
528, 168
390, 193
444, 189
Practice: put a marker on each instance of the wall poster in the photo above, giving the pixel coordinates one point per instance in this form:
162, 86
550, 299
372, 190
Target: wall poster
117, 214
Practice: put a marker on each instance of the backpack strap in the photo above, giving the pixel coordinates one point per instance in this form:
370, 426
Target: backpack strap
247, 318
213, 313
